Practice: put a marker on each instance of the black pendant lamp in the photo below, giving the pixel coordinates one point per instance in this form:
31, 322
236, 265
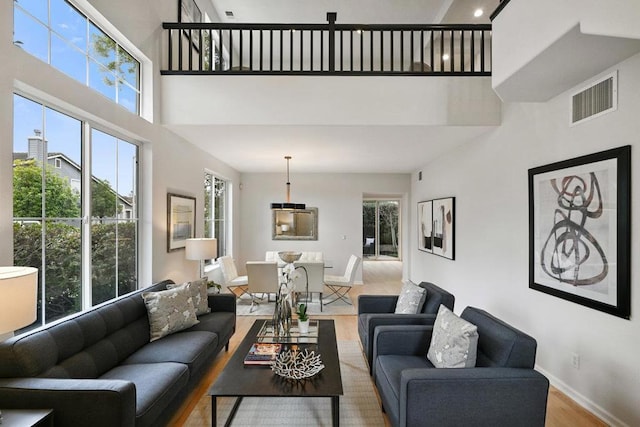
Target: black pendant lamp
288, 204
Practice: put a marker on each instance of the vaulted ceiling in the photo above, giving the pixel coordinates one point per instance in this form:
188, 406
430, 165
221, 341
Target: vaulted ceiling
359, 149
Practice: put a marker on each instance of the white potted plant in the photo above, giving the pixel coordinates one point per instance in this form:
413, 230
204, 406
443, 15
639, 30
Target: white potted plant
303, 318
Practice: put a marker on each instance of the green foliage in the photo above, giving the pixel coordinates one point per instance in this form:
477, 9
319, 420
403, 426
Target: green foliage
104, 202
61, 200
302, 312
62, 272
62, 267
113, 245
122, 63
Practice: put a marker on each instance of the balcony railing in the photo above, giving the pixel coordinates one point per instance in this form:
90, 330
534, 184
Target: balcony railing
327, 49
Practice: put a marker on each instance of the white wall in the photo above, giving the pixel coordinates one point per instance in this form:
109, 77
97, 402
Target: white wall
520, 23
338, 198
168, 163
488, 177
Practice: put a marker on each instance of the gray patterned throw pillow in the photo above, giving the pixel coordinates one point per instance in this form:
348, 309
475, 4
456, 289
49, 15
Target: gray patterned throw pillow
199, 295
454, 341
411, 299
169, 311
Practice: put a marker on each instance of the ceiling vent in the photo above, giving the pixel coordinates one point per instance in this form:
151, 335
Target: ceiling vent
599, 98
229, 14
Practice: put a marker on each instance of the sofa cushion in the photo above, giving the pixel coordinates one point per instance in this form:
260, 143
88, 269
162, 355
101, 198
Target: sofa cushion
169, 311
221, 322
193, 349
388, 376
411, 299
157, 385
454, 341
198, 293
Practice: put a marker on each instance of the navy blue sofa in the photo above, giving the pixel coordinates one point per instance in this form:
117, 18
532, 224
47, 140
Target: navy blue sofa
502, 390
98, 368
378, 310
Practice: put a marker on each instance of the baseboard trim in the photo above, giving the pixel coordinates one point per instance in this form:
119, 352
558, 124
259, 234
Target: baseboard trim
581, 400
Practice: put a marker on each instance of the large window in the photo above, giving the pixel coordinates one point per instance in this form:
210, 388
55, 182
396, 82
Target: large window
216, 194
57, 218
59, 34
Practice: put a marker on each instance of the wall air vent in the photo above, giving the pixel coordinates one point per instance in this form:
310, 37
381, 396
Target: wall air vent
599, 98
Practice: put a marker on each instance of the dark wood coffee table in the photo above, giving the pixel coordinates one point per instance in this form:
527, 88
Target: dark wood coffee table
238, 380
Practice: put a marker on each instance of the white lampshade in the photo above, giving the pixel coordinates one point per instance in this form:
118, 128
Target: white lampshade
18, 297
202, 248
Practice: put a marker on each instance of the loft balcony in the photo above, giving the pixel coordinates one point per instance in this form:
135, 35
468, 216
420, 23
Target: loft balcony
327, 76
327, 49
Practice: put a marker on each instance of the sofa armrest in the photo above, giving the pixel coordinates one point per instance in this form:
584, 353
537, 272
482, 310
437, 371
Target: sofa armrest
512, 395
75, 402
388, 319
408, 340
377, 303
222, 302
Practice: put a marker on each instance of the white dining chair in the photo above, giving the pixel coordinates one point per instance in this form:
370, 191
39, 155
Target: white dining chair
340, 285
232, 280
263, 279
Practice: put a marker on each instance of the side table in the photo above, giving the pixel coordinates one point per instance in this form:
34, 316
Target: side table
27, 417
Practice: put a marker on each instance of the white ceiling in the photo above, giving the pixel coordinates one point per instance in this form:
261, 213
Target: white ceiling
338, 149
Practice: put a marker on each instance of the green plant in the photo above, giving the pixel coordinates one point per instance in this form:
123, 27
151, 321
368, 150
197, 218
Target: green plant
212, 284
302, 312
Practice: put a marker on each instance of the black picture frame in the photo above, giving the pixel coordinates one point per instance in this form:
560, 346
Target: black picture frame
181, 220
580, 230
436, 227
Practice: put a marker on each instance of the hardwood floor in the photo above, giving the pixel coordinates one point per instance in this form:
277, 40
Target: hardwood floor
381, 277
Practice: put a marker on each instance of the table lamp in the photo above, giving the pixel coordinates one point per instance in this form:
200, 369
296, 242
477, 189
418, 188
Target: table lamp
201, 249
18, 298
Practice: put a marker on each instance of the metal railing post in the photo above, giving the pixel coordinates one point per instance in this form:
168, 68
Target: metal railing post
331, 18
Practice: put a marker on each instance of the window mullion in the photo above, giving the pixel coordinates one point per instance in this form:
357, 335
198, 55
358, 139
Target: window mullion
85, 197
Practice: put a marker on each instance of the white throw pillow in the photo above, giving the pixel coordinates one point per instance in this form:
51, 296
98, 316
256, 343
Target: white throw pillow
199, 295
454, 342
411, 299
169, 311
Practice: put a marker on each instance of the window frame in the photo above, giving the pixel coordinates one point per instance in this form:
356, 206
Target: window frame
209, 223
86, 282
93, 17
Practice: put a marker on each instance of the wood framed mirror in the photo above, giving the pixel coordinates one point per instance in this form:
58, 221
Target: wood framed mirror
295, 224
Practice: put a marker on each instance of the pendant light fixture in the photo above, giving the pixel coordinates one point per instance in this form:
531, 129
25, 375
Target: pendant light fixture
288, 204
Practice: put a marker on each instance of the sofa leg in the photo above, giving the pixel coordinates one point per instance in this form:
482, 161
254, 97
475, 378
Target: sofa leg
226, 347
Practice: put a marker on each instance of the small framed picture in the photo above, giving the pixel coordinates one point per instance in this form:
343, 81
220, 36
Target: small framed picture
425, 226
436, 227
181, 220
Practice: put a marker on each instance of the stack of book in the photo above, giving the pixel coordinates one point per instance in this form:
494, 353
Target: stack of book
262, 353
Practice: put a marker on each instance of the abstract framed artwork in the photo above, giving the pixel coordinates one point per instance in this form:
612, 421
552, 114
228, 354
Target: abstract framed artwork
181, 220
580, 230
425, 226
436, 227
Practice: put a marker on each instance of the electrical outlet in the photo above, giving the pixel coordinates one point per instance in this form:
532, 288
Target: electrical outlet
575, 360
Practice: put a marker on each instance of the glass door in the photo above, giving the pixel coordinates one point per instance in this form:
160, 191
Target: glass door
381, 229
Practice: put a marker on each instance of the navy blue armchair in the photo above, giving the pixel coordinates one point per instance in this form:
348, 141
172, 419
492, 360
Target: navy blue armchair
502, 389
378, 310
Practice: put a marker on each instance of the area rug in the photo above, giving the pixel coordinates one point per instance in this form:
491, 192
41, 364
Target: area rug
358, 406
266, 308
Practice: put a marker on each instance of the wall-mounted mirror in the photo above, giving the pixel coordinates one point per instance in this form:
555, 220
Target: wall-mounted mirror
298, 224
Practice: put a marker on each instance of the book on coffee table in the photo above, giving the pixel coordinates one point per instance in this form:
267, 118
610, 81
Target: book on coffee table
262, 353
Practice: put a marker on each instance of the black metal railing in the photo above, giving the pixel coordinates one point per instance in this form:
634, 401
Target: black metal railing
344, 49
